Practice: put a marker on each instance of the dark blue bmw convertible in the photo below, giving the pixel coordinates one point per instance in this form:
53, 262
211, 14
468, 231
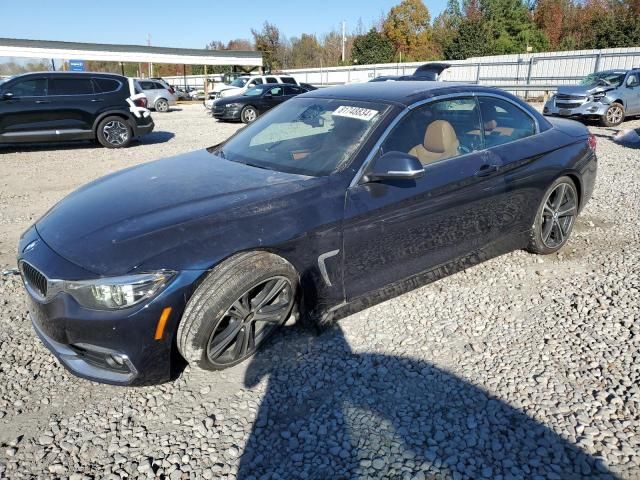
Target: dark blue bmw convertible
330, 199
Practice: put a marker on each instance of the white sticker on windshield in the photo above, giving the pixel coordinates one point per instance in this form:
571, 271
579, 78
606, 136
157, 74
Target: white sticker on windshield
355, 112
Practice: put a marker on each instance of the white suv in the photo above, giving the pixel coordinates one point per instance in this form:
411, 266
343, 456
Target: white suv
244, 83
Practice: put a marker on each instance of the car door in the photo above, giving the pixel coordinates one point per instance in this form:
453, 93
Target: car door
631, 88
272, 97
396, 229
511, 137
74, 99
25, 111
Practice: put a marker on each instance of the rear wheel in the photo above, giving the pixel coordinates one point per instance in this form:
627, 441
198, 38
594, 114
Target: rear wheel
114, 132
248, 114
614, 115
555, 218
161, 105
236, 309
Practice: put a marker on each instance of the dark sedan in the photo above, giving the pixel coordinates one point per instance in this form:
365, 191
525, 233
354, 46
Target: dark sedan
338, 197
254, 102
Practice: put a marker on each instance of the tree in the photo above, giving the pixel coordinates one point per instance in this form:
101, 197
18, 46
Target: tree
550, 17
268, 41
305, 51
373, 47
408, 27
445, 26
474, 39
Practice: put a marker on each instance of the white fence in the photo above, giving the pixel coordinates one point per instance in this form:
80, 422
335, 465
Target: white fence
548, 70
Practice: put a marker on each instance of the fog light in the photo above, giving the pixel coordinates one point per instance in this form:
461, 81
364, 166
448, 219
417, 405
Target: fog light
115, 360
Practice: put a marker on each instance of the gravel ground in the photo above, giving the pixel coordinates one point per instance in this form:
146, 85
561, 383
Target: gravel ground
521, 367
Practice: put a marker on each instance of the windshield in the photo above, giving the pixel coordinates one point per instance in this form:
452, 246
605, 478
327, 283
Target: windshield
239, 82
253, 92
614, 79
306, 136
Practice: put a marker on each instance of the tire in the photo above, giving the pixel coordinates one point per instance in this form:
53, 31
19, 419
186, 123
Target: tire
225, 310
614, 115
114, 132
555, 217
161, 105
248, 114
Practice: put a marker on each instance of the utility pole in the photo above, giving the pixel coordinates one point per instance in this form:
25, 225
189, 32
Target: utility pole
150, 64
344, 39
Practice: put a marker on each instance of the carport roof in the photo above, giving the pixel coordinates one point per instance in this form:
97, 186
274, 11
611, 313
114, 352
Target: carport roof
15, 47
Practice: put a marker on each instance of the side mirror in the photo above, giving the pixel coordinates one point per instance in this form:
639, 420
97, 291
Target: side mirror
268, 95
395, 166
7, 96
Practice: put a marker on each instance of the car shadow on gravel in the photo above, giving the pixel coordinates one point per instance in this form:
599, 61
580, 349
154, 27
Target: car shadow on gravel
148, 139
331, 413
154, 137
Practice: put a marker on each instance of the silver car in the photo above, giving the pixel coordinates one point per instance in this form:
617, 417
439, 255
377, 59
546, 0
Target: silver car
609, 96
159, 97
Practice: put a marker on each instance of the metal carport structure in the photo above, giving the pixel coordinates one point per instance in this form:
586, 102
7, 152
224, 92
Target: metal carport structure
14, 47
25, 48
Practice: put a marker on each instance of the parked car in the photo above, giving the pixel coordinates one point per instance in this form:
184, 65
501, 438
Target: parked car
181, 93
609, 96
244, 83
63, 106
158, 95
196, 93
328, 199
426, 72
254, 102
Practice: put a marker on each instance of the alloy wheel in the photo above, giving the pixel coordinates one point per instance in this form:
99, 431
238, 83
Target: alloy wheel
162, 106
115, 132
559, 213
250, 115
614, 114
250, 320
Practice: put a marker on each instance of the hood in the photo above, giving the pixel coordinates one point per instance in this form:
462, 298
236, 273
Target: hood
582, 89
232, 98
114, 223
219, 87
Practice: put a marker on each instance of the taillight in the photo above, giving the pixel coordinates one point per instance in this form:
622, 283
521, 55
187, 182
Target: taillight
140, 102
593, 143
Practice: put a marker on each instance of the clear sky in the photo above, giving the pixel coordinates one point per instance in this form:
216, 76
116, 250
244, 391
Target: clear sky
186, 24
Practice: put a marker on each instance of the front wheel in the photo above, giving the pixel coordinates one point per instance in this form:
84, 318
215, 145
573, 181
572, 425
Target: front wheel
236, 309
614, 115
555, 218
248, 114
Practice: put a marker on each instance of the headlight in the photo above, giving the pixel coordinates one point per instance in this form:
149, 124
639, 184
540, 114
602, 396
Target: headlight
598, 96
232, 105
117, 292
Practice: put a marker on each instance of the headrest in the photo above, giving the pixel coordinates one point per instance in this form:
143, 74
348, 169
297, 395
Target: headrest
440, 137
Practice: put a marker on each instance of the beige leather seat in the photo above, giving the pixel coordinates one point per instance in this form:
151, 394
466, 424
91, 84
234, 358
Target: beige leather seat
440, 141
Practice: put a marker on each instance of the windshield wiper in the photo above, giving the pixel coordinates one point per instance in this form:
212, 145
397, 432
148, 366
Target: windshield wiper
256, 166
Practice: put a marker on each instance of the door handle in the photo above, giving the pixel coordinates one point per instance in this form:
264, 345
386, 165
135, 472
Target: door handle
487, 169
43, 101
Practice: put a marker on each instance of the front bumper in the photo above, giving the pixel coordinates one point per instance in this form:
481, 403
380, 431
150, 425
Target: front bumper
226, 113
109, 346
586, 109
